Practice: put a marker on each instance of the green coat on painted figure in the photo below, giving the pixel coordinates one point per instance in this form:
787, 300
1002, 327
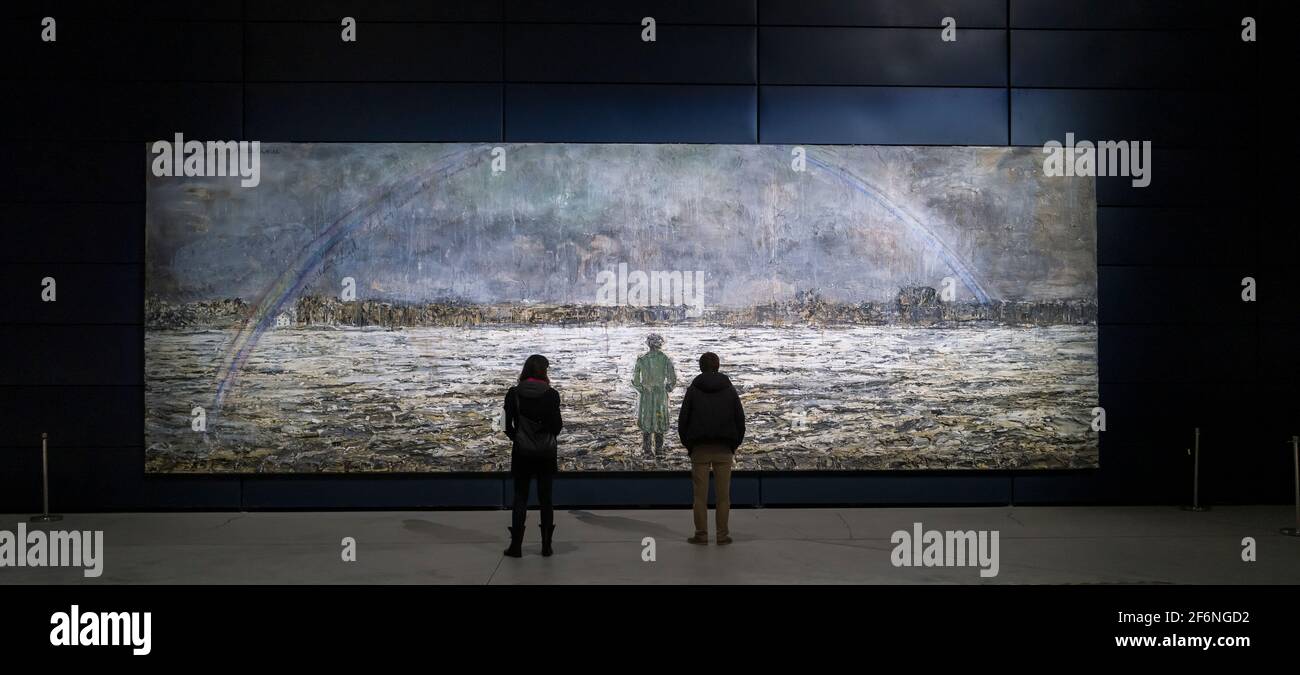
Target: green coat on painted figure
653, 378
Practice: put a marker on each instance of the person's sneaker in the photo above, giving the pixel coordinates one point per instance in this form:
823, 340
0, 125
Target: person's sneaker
724, 540
697, 539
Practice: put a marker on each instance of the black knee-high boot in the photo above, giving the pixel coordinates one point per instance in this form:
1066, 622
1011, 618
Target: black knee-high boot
516, 542
548, 531
519, 513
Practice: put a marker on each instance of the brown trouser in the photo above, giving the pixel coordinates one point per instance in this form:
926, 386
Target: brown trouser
718, 458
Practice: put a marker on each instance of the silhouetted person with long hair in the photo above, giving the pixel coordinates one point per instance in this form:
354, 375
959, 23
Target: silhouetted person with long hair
533, 423
711, 426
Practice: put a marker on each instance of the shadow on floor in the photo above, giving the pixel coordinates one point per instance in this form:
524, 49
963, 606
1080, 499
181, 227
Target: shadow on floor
442, 531
631, 525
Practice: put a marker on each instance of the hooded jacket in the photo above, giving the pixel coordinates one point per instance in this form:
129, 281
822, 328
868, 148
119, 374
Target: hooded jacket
711, 413
535, 400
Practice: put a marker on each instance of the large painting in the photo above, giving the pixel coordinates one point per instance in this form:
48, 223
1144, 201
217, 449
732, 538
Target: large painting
364, 307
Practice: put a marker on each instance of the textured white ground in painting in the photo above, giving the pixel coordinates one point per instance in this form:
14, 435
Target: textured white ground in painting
428, 399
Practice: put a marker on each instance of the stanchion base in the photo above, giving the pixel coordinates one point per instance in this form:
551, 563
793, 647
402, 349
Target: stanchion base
1291, 531
45, 518
1197, 509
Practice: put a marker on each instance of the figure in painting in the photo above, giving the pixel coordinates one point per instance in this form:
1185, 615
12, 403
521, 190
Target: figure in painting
653, 377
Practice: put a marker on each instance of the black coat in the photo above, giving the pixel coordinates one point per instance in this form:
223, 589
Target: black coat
537, 401
711, 413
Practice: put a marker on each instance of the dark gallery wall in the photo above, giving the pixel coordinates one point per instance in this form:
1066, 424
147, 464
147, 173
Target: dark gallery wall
1178, 347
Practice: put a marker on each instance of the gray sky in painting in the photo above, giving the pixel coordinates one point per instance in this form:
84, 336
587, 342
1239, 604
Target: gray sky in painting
544, 229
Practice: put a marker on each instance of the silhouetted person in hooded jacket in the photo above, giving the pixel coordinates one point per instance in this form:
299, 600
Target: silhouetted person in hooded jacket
532, 422
711, 426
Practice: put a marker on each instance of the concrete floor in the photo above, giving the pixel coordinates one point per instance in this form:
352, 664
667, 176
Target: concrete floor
1041, 545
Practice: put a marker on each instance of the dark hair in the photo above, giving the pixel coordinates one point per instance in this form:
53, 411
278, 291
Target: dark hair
535, 367
709, 362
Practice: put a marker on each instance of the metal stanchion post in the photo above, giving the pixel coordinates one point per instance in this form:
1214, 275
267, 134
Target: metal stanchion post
1295, 452
45, 516
1196, 474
